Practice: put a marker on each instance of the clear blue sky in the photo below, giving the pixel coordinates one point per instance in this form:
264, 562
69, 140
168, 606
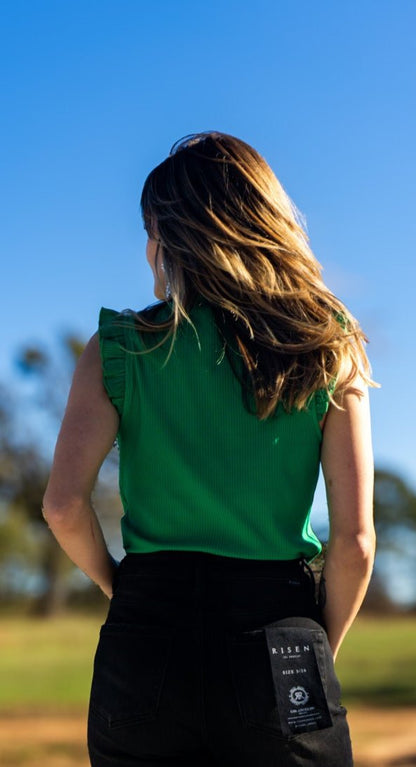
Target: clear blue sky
95, 92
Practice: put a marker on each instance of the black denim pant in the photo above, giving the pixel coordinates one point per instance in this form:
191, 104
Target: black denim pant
208, 660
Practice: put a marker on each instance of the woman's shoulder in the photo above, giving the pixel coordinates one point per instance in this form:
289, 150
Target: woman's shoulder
131, 330
111, 325
128, 329
119, 335
114, 320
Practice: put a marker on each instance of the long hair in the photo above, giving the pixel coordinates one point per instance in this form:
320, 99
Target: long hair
229, 233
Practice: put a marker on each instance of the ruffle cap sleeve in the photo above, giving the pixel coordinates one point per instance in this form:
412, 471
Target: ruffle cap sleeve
321, 400
111, 336
321, 396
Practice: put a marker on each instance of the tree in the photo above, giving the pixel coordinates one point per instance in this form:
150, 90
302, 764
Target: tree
394, 506
25, 460
395, 521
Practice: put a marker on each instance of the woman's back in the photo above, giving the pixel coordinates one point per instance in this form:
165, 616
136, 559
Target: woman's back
197, 470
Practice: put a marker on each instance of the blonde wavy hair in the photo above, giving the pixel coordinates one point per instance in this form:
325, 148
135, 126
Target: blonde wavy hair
229, 233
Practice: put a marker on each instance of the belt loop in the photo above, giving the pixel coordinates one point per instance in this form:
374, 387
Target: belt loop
310, 573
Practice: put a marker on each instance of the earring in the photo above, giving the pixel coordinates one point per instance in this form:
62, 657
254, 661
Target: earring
168, 293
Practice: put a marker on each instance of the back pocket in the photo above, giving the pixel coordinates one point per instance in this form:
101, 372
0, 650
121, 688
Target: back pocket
282, 675
129, 671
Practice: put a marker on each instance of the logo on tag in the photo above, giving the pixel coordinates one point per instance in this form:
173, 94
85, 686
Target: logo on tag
298, 696
302, 707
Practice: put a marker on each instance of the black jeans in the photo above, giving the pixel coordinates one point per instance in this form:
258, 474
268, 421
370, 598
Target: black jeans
207, 660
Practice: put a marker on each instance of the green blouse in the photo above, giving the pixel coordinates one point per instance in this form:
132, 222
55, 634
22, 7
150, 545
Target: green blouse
197, 470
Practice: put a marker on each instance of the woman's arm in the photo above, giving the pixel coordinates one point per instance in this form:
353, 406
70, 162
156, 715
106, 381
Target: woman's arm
347, 464
87, 434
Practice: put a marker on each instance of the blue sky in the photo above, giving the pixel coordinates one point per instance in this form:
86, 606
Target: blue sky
95, 93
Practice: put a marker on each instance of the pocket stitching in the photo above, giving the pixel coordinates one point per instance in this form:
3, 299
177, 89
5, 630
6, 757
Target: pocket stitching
155, 691
247, 721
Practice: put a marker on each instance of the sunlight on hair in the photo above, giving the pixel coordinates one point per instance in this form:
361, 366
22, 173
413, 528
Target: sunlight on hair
231, 236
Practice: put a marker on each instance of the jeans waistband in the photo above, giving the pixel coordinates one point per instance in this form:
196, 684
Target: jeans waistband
228, 586
186, 561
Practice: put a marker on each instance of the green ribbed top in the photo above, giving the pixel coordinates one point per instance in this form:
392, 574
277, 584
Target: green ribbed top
197, 470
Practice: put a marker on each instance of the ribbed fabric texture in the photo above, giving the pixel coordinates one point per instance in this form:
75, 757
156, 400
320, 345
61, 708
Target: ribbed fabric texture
197, 471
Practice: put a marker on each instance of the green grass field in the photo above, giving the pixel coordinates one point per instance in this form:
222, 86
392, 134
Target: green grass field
377, 662
46, 665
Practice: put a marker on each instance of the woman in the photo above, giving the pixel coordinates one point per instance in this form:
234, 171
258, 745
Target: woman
224, 397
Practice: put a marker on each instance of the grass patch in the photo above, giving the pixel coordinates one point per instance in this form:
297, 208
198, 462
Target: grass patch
46, 665
377, 662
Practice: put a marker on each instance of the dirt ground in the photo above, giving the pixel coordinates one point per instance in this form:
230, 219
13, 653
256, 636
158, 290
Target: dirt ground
381, 738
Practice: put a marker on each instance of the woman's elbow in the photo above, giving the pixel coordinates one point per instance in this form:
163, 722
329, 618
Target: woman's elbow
366, 545
358, 549
61, 510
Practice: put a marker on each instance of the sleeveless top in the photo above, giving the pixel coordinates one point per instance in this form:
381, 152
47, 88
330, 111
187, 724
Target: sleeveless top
197, 470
